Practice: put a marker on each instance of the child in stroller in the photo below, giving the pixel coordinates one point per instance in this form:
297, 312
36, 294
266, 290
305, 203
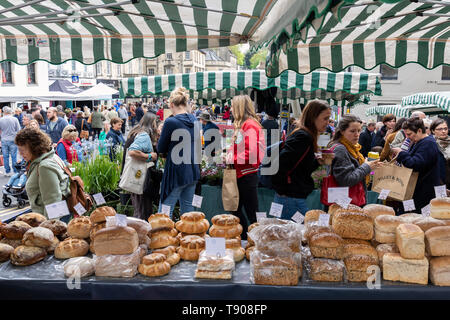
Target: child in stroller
16, 186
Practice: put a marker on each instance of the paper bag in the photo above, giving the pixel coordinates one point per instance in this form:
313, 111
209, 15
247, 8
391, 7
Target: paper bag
400, 181
230, 191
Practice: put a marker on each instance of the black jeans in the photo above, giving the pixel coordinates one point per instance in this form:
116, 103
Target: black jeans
96, 132
248, 198
124, 123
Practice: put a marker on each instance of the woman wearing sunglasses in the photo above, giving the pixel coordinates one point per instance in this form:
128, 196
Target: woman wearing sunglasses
65, 148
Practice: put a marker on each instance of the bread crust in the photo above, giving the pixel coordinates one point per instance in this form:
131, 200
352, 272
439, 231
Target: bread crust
71, 248
56, 226
26, 256
99, 215
33, 219
14, 230
79, 228
224, 220
38, 237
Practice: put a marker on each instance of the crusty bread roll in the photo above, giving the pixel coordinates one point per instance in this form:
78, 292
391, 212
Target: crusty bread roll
91, 247
384, 248
116, 240
162, 239
357, 266
225, 220
326, 270
238, 251
192, 226
160, 221
182, 234
440, 271
374, 210
248, 252
99, 215
354, 225
95, 228
25, 255
38, 237
190, 247
396, 268
33, 219
410, 241
360, 249
326, 245
385, 228
12, 243
52, 247
71, 248
250, 228
14, 230
227, 232
438, 241
193, 216
56, 226
171, 254
79, 228
428, 222
313, 215
440, 208
5, 252
79, 267
411, 217
154, 265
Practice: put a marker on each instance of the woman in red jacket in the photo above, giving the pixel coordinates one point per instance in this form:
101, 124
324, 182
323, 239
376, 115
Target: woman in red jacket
248, 152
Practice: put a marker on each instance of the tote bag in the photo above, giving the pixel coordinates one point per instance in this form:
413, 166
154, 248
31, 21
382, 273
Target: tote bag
133, 175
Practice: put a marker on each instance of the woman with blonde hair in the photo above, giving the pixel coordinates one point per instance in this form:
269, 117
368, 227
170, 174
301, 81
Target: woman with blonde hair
180, 139
246, 155
65, 147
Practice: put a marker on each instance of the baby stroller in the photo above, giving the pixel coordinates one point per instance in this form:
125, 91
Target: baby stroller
19, 193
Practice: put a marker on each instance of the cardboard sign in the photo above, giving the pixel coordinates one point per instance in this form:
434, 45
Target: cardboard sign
276, 209
215, 247
57, 210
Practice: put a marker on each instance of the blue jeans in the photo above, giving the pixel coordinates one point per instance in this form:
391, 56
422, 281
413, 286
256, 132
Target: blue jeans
9, 148
184, 194
291, 206
18, 180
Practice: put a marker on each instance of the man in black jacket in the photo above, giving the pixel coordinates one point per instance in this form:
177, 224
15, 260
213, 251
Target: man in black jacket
366, 138
139, 113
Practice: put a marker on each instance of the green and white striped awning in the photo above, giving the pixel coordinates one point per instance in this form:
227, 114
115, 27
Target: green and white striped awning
370, 33
224, 85
405, 111
439, 99
121, 30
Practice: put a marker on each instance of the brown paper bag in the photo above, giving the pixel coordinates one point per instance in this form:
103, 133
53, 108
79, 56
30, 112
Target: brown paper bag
399, 180
230, 191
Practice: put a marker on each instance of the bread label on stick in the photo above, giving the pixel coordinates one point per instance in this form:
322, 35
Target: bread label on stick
334, 194
441, 191
298, 217
98, 197
384, 194
409, 205
344, 202
324, 220
215, 247
426, 211
276, 209
57, 210
121, 220
197, 201
165, 209
260, 215
80, 209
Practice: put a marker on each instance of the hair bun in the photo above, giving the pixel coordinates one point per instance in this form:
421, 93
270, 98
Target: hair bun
179, 96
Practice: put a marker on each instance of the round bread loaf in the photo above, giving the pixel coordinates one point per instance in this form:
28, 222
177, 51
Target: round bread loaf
193, 216
182, 234
428, 222
71, 248
374, 210
160, 221
55, 243
91, 247
238, 251
14, 230
440, 208
191, 226
5, 252
162, 239
171, 254
225, 232
154, 265
38, 237
79, 228
232, 243
63, 236
248, 252
224, 220
33, 219
99, 215
313, 215
360, 249
95, 228
12, 243
25, 256
190, 247
56, 226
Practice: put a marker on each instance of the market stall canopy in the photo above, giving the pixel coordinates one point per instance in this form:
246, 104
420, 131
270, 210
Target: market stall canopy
99, 92
367, 34
439, 99
92, 30
223, 85
404, 111
64, 86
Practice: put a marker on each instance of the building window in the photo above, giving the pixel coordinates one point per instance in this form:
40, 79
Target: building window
118, 70
74, 66
388, 73
108, 67
98, 68
169, 56
188, 55
151, 72
445, 72
6, 73
31, 68
188, 70
168, 70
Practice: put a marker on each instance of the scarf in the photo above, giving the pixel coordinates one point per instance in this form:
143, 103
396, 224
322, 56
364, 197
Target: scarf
353, 149
444, 147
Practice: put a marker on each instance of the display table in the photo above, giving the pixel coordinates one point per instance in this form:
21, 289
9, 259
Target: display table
45, 280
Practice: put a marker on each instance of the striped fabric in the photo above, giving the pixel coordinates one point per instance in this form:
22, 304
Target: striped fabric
406, 110
222, 86
369, 34
439, 99
121, 30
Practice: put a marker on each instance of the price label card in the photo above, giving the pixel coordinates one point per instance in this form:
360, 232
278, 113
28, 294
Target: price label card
384, 194
298, 217
229, 123
334, 194
426, 211
324, 219
98, 197
409, 205
80, 209
111, 221
344, 202
165, 209
121, 220
323, 140
197, 201
260, 215
276, 209
441, 191
57, 210
215, 247
72, 170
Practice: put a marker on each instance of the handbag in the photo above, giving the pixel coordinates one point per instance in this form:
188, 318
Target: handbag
357, 192
133, 175
84, 134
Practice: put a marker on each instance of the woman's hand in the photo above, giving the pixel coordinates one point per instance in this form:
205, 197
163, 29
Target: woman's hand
375, 164
154, 156
395, 152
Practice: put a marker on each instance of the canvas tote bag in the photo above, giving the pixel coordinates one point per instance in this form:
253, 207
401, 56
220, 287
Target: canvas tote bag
230, 191
133, 175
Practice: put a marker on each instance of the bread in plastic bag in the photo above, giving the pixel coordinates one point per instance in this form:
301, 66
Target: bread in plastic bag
269, 269
277, 237
117, 265
142, 228
314, 228
326, 270
215, 267
79, 267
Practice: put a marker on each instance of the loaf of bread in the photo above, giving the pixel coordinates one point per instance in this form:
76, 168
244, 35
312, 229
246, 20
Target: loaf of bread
410, 241
163, 238
313, 215
154, 265
14, 230
172, 257
33, 219
360, 249
248, 252
355, 241
214, 263
79, 228
116, 240
79, 267
326, 245
351, 208
273, 270
38, 237
326, 270
427, 223
192, 224
25, 255
12, 243
235, 246
250, 228
440, 271
411, 217
396, 268
225, 220
312, 230
438, 241
440, 208
51, 249
384, 248
121, 265
357, 267
354, 225
182, 235
5, 252
190, 247
374, 210
227, 232
56, 226
99, 215
142, 228
277, 238
71, 248
385, 228
95, 228
160, 221
219, 275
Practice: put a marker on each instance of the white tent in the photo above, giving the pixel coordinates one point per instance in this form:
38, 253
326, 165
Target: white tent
99, 92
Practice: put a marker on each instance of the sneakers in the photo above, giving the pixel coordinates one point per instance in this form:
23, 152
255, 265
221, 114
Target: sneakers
8, 174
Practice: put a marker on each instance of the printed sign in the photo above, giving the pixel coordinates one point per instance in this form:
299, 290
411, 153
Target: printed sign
121, 220
334, 194
409, 205
276, 209
344, 202
80, 209
426, 211
298, 217
165, 209
98, 197
384, 194
197, 201
441, 191
215, 247
324, 220
261, 215
57, 209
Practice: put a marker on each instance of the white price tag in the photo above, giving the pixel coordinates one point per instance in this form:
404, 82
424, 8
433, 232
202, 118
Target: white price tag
197, 201
324, 219
426, 211
111, 221
409, 205
344, 202
215, 247
57, 210
165, 209
384, 194
276, 209
441, 191
298, 217
229, 123
334, 194
80, 209
260, 215
98, 197
121, 220
72, 170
